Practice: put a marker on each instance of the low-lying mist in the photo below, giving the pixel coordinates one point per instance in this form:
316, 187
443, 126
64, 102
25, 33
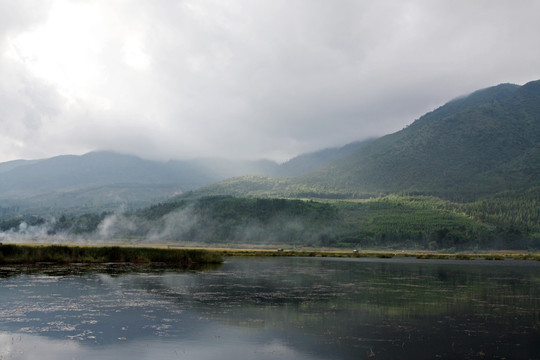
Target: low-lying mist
228, 221
221, 220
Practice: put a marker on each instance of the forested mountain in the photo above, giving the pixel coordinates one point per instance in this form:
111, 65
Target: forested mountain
464, 176
477, 158
478, 145
474, 146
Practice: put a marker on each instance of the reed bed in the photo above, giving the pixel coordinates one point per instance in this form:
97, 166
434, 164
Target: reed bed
63, 254
182, 257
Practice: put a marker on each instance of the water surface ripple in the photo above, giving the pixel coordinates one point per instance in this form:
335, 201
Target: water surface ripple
275, 308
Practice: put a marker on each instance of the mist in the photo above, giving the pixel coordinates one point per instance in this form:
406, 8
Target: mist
187, 225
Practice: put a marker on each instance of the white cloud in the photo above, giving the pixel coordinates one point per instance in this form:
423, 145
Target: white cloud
236, 78
63, 50
135, 55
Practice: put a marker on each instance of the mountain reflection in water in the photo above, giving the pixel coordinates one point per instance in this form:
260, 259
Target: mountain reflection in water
270, 308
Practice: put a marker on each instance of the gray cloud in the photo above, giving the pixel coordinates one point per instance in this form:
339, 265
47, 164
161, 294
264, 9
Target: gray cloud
180, 79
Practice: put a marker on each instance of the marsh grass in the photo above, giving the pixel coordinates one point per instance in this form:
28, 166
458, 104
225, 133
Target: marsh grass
62, 254
380, 254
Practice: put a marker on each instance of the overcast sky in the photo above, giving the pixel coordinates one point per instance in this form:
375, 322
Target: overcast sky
244, 78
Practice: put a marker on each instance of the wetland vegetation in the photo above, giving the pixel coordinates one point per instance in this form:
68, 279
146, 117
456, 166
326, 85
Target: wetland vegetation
168, 255
62, 254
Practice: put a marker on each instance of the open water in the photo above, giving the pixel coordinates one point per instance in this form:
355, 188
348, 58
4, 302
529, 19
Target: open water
275, 308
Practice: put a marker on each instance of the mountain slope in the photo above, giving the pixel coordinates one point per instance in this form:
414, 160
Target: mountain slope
71, 172
485, 143
308, 162
10, 165
104, 180
195, 173
91, 182
474, 146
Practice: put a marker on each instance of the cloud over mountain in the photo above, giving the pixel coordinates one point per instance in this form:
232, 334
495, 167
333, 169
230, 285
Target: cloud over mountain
243, 79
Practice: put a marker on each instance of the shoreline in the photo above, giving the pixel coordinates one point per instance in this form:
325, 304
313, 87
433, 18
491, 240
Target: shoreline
183, 256
384, 254
13, 254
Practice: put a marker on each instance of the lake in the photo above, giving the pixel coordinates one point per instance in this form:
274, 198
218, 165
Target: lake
274, 308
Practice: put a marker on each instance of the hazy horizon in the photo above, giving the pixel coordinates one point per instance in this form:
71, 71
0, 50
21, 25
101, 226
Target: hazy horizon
194, 158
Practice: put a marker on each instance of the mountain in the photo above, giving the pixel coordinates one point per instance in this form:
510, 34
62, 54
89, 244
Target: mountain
105, 180
478, 145
195, 173
97, 180
10, 165
464, 176
311, 161
72, 172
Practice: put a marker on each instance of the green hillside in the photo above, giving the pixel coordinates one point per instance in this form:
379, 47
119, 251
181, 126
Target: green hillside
478, 154
390, 222
472, 147
475, 146
465, 176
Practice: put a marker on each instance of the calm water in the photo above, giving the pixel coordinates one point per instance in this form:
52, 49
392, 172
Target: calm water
275, 308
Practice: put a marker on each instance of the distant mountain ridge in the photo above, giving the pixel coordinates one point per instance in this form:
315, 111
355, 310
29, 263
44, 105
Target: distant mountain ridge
105, 179
10, 165
310, 161
484, 143
72, 172
477, 145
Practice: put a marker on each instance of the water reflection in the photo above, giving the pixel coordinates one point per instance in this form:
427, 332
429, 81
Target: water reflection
276, 308
23, 346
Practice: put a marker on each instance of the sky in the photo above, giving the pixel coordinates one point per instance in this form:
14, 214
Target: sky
244, 79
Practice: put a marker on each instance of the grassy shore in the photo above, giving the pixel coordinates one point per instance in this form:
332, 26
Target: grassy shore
380, 254
184, 257
63, 254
